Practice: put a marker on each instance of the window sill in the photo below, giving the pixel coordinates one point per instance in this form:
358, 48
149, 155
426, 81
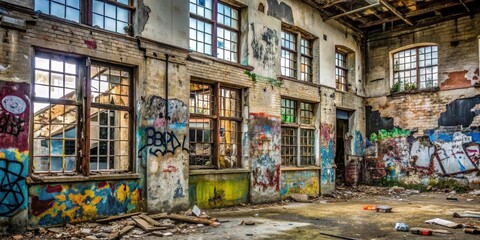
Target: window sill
40, 179
200, 56
218, 171
425, 90
281, 78
292, 168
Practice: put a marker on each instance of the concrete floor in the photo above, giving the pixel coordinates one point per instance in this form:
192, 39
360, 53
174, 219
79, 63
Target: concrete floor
347, 219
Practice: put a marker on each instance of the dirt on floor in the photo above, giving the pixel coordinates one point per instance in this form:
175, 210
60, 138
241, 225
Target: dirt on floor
340, 215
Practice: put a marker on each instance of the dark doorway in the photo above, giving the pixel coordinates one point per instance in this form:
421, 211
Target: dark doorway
341, 130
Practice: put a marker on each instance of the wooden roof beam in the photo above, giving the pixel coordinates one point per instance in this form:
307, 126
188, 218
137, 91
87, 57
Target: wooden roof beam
396, 12
354, 11
331, 3
464, 5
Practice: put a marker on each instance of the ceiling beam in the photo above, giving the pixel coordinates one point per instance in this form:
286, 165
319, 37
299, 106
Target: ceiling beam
396, 12
353, 11
355, 17
464, 5
414, 13
331, 3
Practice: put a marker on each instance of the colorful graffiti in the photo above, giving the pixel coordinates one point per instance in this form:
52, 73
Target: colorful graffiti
63, 203
14, 118
218, 190
12, 179
304, 182
264, 135
158, 136
441, 153
327, 154
358, 144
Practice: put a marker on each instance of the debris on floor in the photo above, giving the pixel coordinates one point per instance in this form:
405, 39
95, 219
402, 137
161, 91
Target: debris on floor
384, 209
443, 222
137, 225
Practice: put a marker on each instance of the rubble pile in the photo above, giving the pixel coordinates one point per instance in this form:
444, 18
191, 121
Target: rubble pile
128, 226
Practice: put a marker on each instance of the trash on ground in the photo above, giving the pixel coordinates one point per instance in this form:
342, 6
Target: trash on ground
422, 231
402, 227
443, 222
384, 208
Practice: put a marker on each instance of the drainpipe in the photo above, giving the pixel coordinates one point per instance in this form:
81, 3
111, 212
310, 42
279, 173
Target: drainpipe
166, 96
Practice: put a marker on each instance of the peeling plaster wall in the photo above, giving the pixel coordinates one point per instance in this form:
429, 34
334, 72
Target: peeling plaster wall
162, 139
167, 21
303, 182
219, 190
457, 42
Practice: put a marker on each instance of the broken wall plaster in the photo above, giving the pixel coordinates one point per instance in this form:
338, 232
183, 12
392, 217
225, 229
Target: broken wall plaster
280, 10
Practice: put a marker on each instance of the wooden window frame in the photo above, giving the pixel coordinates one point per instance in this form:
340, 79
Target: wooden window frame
293, 52
417, 68
217, 118
86, 13
342, 86
300, 127
215, 25
83, 118
306, 76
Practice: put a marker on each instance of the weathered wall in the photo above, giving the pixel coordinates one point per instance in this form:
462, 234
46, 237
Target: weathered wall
14, 129
164, 21
74, 202
457, 42
300, 181
219, 190
439, 136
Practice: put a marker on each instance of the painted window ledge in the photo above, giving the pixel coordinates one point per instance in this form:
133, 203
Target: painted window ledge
39, 179
218, 171
292, 168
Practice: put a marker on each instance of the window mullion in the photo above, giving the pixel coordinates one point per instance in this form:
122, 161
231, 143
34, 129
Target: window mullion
417, 65
86, 113
214, 26
216, 112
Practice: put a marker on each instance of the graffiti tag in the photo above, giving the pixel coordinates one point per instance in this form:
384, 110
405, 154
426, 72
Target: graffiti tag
12, 125
11, 196
162, 142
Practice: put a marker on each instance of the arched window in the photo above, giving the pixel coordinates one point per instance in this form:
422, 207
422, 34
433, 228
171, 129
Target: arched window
415, 68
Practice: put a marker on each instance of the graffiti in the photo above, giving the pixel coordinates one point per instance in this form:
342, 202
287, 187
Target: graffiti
264, 44
63, 203
304, 182
14, 104
326, 133
359, 144
155, 110
264, 134
11, 193
12, 125
179, 190
219, 190
170, 169
162, 143
442, 153
384, 134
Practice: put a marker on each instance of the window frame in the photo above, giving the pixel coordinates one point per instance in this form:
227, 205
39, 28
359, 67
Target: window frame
86, 13
215, 25
291, 51
342, 86
299, 37
83, 116
299, 127
217, 118
417, 68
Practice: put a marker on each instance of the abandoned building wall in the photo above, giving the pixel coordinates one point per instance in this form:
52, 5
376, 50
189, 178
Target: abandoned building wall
164, 21
436, 134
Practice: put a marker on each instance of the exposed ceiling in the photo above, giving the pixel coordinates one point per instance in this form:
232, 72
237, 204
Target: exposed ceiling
380, 15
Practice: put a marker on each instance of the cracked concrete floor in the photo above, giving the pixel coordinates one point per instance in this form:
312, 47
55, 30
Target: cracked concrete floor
347, 219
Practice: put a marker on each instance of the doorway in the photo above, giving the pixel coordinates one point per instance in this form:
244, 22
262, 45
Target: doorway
342, 128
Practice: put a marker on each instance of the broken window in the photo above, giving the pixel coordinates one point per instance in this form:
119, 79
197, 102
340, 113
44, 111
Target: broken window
111, 15
214, 29
76, 130
416, 68
298, 133
341, 70
215, 126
